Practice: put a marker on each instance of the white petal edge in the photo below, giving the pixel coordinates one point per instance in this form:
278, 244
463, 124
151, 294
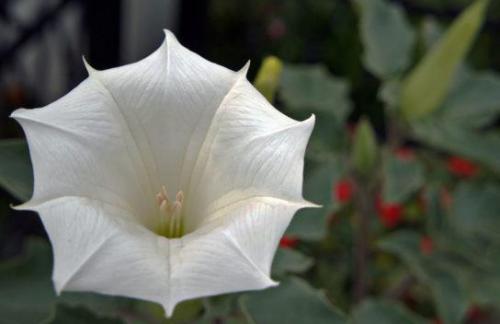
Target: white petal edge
167, 102
77, 150
252, 149
95, 249
107, 216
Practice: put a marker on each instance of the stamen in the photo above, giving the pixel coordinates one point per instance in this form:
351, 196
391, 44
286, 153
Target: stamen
170, 213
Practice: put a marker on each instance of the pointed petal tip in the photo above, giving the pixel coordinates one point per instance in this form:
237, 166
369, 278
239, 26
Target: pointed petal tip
90, 70
311, 120
24, 206
58, 286
309, 204
169, 39
16, 113
244, 70
168, 33
272, 283
16, 207
169, 309
309, 125
28, 205
265, 281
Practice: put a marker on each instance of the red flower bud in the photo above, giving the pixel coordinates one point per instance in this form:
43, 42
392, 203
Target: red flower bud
289, 242
461, 167
405, 153
389, 213
476, 315
343, 190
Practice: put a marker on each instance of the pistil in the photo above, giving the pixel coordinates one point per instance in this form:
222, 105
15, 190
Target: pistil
170, 213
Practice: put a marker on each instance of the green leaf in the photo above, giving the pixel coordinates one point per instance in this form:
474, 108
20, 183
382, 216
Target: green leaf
469, 255
290, 261
293, 301
474, 262
27, 294
364, 150
313, 89
460, 140
310, 223
428, 83
387, 36
383, 312
218, 306
404, 244
268, 77
449, 295
436, 221
475, 210
474, 101
78, 315
223, 307
16, 175
401, 178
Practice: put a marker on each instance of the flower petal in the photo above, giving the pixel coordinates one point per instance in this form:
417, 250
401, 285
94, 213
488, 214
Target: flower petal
251, 150
101, 153
77, 149
232, 253
97, 249
167, 101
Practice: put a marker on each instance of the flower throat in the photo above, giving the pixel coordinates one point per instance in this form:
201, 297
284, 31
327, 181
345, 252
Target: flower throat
170, 224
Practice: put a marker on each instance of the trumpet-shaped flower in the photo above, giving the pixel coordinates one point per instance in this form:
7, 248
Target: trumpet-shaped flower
168, 179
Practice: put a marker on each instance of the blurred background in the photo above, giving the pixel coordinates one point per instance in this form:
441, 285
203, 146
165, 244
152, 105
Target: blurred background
41, 49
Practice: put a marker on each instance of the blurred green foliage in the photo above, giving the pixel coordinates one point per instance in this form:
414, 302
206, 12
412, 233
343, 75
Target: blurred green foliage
409, 231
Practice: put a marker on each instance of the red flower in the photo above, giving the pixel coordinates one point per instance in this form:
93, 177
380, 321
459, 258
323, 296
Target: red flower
289, 242
405, 153
461, 167
389, 213
426, 245
476, 315
343, 190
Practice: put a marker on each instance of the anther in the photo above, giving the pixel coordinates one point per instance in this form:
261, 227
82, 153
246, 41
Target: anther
170, 213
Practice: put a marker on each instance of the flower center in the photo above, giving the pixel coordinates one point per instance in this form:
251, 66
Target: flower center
170, 214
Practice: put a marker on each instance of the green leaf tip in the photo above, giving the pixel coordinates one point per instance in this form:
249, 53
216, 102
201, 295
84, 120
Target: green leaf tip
427, 85
268, 77
364, 151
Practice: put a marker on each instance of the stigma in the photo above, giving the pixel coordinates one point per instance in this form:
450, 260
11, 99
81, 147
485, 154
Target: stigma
170, 224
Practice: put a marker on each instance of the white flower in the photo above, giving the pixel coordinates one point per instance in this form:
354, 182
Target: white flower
105, 155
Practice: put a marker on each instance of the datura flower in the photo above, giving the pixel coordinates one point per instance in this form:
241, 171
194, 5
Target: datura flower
165, 180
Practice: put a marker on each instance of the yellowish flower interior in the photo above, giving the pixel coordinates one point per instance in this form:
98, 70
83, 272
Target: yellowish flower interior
170, 224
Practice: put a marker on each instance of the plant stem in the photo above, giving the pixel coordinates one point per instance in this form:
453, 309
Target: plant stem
364, 210
360, 252
399, 290
394, 134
